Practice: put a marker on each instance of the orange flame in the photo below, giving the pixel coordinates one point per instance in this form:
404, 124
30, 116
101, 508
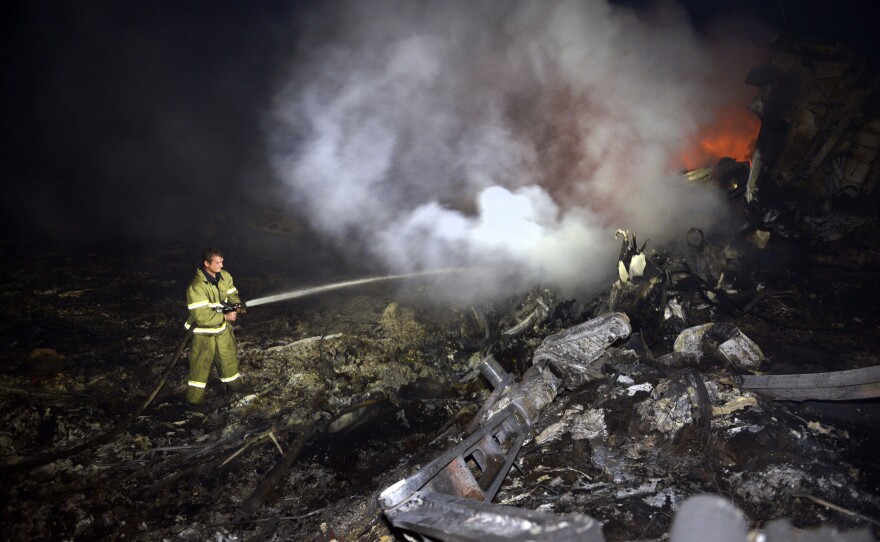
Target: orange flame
731, 134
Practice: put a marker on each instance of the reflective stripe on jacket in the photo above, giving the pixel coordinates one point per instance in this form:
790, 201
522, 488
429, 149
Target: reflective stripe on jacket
202, 298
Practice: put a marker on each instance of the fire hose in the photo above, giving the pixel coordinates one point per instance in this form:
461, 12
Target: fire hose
30, 463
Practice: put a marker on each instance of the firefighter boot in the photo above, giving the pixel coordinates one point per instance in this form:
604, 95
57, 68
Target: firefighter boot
239, 388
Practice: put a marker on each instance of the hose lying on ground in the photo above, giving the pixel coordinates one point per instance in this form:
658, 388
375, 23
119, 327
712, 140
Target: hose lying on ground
45, 458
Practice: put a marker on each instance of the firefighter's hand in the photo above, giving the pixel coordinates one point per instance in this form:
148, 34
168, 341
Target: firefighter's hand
230, 316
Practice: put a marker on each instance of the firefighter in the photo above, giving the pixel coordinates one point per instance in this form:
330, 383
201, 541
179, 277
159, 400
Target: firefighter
213, 340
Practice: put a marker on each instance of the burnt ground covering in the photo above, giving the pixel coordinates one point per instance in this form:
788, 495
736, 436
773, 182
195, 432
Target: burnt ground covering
360, 387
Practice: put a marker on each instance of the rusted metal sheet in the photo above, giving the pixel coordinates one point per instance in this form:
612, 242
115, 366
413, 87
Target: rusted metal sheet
474, 468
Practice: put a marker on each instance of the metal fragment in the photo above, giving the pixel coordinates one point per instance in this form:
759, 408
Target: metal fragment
834, 386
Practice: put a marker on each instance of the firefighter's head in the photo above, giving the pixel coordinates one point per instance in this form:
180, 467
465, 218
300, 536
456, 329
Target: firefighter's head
212, 259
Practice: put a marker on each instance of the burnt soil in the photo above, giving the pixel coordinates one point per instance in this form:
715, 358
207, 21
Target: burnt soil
88, 335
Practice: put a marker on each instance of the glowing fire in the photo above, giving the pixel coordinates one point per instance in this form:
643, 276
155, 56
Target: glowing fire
731, 134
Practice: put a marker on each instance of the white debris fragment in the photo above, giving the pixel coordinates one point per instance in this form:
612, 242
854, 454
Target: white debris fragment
644, 386
817, 427
742, 352
625, 380
552, 432
760, 238
589, 425
769, 484
739, 403
670, 406
556, 430
690, 340
736, 348
673, 310
740, 428
657, 500
621, 272
637, 265
512, 500
644, 489
244, 401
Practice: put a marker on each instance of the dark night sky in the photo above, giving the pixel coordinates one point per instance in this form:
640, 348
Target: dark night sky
139, 122
134, 121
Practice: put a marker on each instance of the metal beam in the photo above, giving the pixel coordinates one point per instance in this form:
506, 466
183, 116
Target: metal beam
835, 386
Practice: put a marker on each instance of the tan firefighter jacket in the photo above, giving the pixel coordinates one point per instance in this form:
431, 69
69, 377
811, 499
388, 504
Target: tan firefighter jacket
204, 300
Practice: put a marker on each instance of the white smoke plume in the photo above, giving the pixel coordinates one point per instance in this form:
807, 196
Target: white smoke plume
509, 134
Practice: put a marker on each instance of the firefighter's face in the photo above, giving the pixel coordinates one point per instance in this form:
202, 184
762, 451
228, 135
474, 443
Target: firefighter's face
215, 265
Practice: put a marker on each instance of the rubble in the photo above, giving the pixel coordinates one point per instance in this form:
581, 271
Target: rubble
818, 107
713, 344
575, 353
741, 368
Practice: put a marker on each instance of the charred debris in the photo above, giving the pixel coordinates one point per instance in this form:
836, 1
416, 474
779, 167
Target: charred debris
726, 391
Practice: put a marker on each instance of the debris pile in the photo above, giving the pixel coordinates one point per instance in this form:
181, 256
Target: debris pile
729, 385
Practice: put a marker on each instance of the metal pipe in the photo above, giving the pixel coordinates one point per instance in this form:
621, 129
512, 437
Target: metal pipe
493, 372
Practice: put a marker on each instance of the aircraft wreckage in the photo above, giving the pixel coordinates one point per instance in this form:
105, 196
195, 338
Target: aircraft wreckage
728, 392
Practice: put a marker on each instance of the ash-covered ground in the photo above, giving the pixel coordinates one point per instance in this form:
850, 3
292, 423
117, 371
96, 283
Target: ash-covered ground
360, 387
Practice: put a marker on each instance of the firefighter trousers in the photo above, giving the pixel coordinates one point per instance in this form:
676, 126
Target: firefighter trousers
219, 349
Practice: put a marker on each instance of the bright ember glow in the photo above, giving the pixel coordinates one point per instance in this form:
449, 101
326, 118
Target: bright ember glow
732, 133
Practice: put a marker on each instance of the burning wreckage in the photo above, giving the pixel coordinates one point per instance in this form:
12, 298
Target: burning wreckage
724, 393
703, 401
644, 425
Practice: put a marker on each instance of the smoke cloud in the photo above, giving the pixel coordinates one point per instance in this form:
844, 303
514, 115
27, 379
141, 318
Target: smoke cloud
507, 135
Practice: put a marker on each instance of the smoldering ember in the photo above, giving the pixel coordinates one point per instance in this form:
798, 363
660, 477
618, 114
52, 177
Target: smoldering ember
721, 387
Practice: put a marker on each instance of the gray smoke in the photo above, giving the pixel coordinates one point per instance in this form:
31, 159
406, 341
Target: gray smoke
516, 135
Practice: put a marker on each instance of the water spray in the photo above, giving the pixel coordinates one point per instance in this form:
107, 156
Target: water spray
304, 292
